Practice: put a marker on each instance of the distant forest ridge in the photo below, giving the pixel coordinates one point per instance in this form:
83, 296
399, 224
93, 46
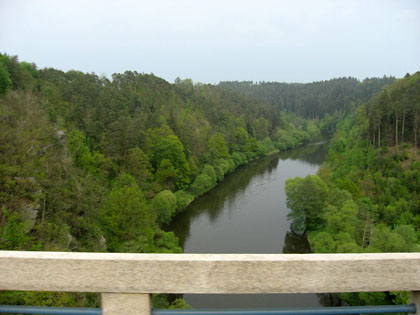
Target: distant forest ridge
312, 100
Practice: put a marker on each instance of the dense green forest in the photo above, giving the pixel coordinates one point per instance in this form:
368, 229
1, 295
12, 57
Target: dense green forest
89, 163
312, 100
366, 197
92, 164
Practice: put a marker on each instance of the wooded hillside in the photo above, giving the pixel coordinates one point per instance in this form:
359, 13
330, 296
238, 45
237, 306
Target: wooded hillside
312, 100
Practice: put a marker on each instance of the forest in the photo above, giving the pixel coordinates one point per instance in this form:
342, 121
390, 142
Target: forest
366, 197
94, 164
313, 100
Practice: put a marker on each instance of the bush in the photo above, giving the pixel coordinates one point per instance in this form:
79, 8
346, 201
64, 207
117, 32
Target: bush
225, 165
289, 141
232, 166
237, 159
323, 242
243, 158
183, 199
267, 146
201, 185
280, 145
219, 173
209, 171
164, 204
166, 242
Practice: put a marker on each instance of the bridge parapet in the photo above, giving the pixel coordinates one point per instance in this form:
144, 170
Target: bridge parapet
127, 280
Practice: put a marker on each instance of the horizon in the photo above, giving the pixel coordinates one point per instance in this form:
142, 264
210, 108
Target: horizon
216, 83
272, 41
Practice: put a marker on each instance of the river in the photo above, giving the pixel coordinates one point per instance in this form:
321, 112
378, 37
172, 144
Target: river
247, 213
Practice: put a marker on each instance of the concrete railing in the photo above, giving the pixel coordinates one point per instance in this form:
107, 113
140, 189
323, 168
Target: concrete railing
127, 280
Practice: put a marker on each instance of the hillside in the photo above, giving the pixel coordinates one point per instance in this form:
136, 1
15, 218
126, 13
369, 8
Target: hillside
367, 193
312, 100
92, 164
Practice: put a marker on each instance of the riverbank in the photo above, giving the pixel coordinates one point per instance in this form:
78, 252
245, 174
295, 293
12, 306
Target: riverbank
185, 198
247, 213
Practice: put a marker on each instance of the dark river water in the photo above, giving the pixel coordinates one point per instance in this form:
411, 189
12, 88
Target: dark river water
247, 213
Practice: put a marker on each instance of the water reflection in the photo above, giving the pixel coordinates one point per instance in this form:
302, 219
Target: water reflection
247, 213
234, 185
313, 154
296, 243
329, 299
222, 196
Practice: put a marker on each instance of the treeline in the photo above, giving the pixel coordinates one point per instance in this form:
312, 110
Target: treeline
312, 100
366, 197
92, 164
394, 113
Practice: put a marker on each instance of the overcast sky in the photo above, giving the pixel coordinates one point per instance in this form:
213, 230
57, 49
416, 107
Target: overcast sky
212, 41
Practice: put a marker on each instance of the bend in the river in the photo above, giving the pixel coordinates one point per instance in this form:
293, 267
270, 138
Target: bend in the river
247, 213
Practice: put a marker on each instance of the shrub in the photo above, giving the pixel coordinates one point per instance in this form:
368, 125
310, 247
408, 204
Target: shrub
209, 171
183, 199
201, 185
164, 205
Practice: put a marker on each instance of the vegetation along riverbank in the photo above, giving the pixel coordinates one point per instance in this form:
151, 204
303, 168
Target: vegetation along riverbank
366, 196
89, 163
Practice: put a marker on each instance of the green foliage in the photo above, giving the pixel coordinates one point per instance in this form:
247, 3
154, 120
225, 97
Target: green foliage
306, 197
323, 242
139, 167
82, 156
291, 139
179, 304
124, 216
328, 123
220, 174
239, 159
161, 301
21, 74
201, 185
373, 199
5, 80
14, 232
164, 205
56, 299
209, 171
393, 115
166, 174
122, 181
166, 242
54, 236
30, 68
205, 181
311, 100
313, 130
402, 239
226, 166
366, 298
240, 141
217, 148
183, 199
281, 146
267, 146
171, 149
342, 218
91, 164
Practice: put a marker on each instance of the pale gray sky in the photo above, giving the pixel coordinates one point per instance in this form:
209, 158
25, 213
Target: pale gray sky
212, 41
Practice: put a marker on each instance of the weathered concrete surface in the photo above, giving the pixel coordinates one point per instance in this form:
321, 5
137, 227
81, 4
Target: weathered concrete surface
125, 303
209, 273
